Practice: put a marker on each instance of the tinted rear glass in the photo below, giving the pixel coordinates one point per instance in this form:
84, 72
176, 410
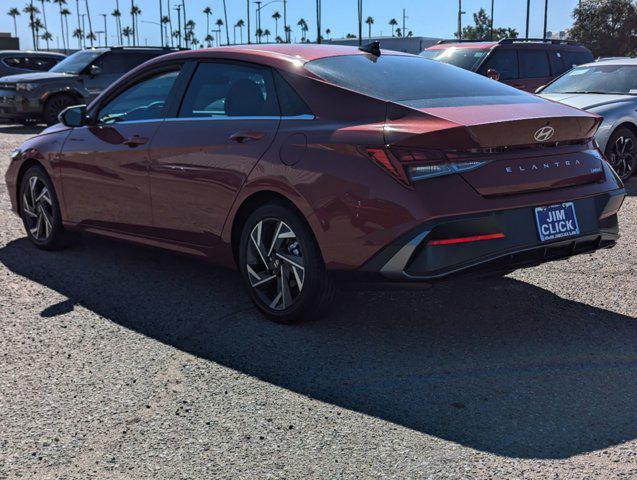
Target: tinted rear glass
467, 58
414, 81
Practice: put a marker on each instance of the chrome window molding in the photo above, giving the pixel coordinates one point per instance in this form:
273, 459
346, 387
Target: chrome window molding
213, 118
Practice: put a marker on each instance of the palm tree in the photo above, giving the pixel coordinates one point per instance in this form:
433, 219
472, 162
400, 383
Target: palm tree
288, 31
258, 34
240, 24
278, 39
209, 39
399, 32
303, 24
65, 14
128, 32
44, 17
219, 24
328, 32
276, 15
393, 24
60, 3
165, 20
118, 24
46, 36
266, 34
135, 12
32, 10
37, 26
13, 13
77, 33
189, 29
91, 35
369, 21
208, 12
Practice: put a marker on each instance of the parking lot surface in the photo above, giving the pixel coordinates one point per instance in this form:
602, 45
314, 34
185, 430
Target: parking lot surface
129, 363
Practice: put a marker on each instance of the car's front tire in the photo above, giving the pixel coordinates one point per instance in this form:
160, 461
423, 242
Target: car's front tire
40, 210
621, 152
282, 266
54, 106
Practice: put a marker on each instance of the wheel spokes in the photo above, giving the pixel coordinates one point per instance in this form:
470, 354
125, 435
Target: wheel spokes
280, 282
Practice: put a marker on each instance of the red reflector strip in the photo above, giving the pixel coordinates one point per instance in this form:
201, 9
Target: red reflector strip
381, 157
475, 238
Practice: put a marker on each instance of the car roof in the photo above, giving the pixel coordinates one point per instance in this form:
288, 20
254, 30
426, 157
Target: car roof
31, 52
613, 61
284, 56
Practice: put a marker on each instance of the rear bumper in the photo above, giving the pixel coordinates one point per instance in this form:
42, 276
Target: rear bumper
411, 259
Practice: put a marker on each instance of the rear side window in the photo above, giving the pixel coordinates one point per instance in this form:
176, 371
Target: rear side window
122, 62
35, 63
414, 81
556, 59
534, 64
505, 62
290, 102
219, 89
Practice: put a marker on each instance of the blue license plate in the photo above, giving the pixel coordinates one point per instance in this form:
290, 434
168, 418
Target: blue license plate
556, 221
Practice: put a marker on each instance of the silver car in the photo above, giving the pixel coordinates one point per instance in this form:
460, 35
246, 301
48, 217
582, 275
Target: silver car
608, 88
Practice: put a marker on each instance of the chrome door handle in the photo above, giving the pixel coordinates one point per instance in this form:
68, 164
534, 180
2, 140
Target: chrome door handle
245, 136
135, 141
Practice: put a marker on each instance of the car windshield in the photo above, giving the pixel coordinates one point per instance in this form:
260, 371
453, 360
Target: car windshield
601, 79
415, 81
467, 58
77, 62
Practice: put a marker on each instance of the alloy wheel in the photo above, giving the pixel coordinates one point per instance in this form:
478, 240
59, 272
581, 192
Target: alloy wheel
622, 157
37, 206
275, 264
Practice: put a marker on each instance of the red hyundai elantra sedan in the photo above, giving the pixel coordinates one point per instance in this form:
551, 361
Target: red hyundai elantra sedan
300, 163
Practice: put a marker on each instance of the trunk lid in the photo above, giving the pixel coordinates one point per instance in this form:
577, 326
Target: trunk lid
527, 147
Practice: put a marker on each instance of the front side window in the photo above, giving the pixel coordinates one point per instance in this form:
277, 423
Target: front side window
601, 79
505, 62
220, 89
145, 100
122, 62
414, 81
534, 64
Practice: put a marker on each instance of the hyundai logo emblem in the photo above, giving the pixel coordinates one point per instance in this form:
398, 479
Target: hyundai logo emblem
544, 134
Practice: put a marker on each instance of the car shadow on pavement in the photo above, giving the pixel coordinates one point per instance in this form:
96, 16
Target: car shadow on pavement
501, 366
631, 187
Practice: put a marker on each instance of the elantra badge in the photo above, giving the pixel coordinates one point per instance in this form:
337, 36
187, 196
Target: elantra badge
544, 134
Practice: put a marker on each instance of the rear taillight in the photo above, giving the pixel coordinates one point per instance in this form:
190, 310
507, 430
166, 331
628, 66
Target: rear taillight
408, 166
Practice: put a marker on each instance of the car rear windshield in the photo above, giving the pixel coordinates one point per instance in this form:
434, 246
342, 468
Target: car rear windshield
605, 79
467, 58
77, 62
414, 81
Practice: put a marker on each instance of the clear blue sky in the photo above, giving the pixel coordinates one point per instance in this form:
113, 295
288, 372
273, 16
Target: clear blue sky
434, 18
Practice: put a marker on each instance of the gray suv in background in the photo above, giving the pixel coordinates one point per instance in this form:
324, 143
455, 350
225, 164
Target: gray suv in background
78, 79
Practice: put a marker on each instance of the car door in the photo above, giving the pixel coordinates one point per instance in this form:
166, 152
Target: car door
104, 166
201, 156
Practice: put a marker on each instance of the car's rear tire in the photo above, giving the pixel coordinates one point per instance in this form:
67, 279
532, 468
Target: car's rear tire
40, 210
282, 266
621, 152
54, 106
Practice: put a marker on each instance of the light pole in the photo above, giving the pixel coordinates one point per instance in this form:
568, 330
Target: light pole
258, 12
161, 17
105, 30
492, 2
528, 15
285, 21
178, 8
360, 22
248, 9
460, 14
546, 16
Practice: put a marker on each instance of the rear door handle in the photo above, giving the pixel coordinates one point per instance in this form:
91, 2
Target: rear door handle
135, 141
246, 136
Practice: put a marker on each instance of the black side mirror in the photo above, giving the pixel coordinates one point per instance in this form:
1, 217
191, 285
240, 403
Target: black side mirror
95, 70
73, 116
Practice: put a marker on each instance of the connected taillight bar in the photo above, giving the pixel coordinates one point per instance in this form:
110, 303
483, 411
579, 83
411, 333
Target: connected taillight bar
474, 238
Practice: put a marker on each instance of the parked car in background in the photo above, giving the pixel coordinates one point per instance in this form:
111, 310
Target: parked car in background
302, 163
79, 78
522, 63
13, 62
608, 88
